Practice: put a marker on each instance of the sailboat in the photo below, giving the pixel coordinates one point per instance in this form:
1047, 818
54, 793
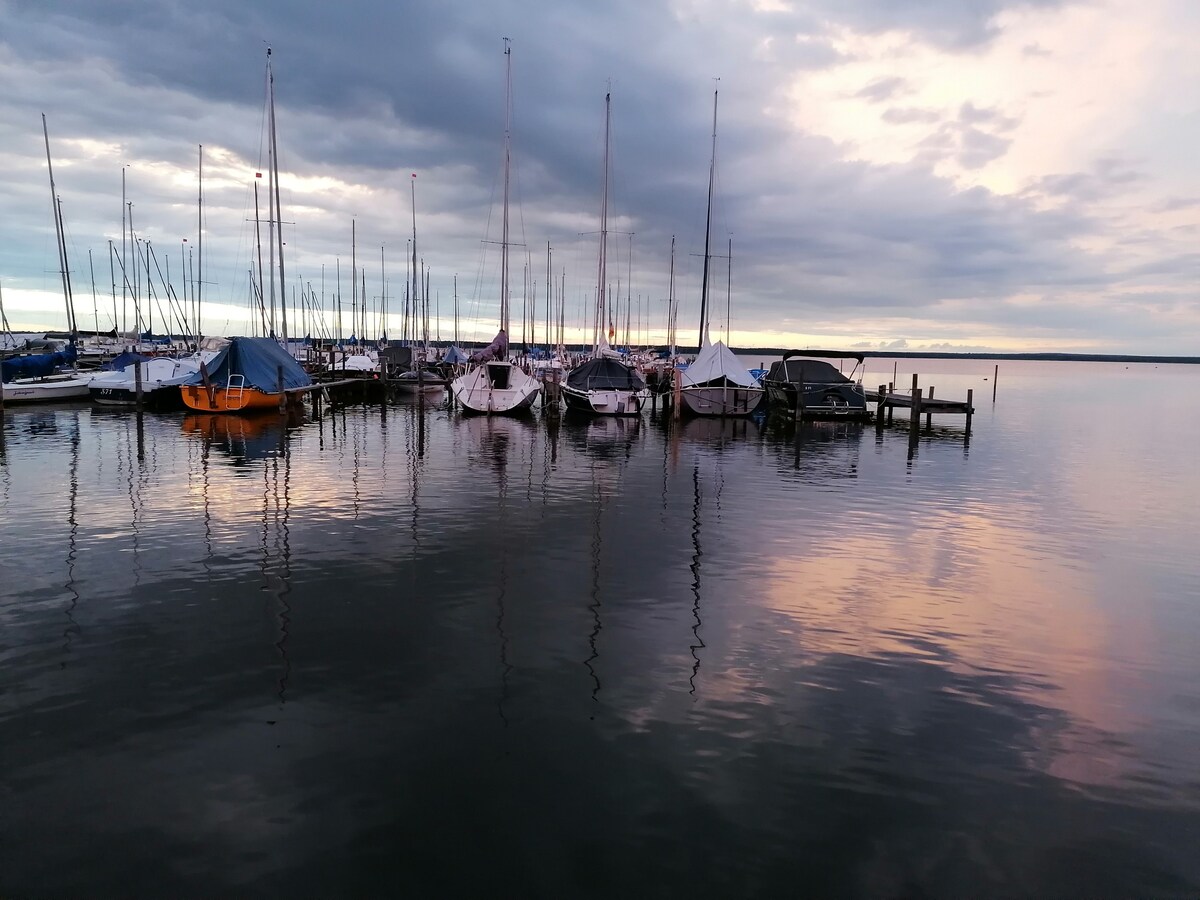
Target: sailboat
604, 385
38, 378
716, 384
494, 386
250, 372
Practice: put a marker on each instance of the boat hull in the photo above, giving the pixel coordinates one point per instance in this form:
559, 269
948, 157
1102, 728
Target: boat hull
162, 398
720, 401
611, 402
819, 401
221, 399
495, 389
48, 390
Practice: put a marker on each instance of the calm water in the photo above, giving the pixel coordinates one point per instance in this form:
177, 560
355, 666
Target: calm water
397, 654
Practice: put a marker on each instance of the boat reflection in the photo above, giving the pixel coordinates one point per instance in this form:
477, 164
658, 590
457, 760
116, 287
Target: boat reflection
602, 436
243, 438
815, 450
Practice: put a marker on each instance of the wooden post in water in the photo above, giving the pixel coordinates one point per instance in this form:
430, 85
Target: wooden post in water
891, 410
879, 409
995, 378
137, 385
914, 421
279, 387
929, 414
677, 391
970, 408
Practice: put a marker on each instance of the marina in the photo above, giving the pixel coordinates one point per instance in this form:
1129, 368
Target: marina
705, 650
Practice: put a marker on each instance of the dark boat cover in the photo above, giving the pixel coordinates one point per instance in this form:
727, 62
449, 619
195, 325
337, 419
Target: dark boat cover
37, 365
257, 359
604, 374
806, 371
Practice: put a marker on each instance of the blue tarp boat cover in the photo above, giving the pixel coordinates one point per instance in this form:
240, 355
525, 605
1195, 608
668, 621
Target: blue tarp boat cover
454, 355
257, 359
121, 360
604, 374
36, 365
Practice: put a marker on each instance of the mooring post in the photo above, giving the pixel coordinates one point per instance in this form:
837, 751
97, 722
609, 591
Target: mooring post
929, 413
137, 385
677, 391
970, 407
995, 378
914, 421
891, 409
879, 408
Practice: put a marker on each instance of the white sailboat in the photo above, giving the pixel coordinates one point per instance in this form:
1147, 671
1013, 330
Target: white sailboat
493, 385
716, 384
604, 385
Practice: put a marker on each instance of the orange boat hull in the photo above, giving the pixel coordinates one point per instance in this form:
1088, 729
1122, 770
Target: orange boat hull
219, 399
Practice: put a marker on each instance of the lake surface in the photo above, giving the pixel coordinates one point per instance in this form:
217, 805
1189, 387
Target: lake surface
403, 652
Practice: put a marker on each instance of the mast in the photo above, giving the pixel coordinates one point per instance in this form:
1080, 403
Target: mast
124, 268
278, 208
728, 288
353, 279
197, 288
598, 325
671, 304
60, 243
507, 160
258, 240
455, 309
712, 167
412, 183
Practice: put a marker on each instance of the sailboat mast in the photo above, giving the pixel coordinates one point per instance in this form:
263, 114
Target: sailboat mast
728, 288
507, 161
602, 274
712, 168
58, 233
413, 190
671, 304
197, 288
278, 208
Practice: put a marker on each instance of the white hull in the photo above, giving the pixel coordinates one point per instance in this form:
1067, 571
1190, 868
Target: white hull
720, 401
495, 388
46, 390
604, 402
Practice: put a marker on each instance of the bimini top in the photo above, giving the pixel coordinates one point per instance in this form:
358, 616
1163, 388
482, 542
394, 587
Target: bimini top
716, 366
257, 359
605, 374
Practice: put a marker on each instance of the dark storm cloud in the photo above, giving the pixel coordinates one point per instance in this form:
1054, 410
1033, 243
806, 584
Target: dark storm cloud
366, 96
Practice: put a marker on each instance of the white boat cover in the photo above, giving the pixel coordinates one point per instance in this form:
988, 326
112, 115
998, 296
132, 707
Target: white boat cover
716, 363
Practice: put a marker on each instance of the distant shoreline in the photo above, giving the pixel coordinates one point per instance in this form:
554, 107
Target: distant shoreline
871, 354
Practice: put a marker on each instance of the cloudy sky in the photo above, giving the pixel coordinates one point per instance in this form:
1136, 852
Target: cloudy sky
917, 174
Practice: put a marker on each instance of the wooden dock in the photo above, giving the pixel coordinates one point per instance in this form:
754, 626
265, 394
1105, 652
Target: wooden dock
919, 402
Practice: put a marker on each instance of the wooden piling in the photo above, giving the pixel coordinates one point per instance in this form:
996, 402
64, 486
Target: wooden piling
970, 408
879, 408
929, 415
995, 378
137, 385
677, 391
914, 421
891, 410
